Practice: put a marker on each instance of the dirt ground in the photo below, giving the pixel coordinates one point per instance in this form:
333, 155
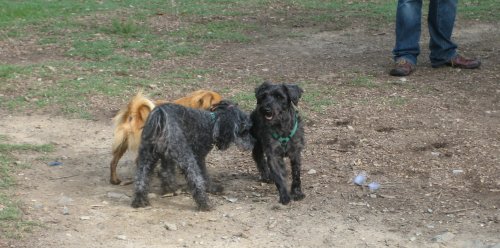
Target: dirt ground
432, 141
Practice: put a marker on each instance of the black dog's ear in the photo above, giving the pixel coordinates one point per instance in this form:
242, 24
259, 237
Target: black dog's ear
294, 92
259, 90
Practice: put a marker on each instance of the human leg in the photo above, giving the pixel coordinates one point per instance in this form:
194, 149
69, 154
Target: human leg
441, 20
408, 28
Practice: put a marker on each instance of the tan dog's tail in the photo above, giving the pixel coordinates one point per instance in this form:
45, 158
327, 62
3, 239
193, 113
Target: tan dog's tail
202, 99
130, 120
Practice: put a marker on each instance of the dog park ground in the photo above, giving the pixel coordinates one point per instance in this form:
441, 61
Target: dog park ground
431, 140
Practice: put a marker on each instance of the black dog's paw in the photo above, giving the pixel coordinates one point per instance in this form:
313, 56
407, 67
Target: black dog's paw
140, 202
298, 195
215, 189
284, 199
265, 179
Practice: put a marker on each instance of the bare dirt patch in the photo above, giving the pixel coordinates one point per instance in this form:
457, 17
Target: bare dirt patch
432, 141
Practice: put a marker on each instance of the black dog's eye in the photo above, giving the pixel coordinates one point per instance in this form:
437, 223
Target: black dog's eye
279, 97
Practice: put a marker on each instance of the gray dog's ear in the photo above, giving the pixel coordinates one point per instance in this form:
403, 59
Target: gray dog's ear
224, 128
294, 92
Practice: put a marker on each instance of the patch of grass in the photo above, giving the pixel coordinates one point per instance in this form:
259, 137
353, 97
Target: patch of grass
480, 9
7, 71
26, 147
159, 48
12, 226
245, 100
398, 101
363, 81
111, 45
11, 223
96, 50
33, 11
223, 31
318, 98
125, 27
184, 76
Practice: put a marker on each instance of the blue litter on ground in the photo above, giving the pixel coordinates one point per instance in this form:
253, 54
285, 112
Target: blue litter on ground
55, 163
374, 186
359, 179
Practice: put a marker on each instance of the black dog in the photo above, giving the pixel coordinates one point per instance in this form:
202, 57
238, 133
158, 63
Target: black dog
278, 129
183, 137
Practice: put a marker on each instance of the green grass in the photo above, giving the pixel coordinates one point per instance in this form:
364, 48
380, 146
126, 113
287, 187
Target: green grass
488, 10
364, 81
245, 100
7, 71
223, 31
12, 224
26, 147
398, 101
318, 98
107, 48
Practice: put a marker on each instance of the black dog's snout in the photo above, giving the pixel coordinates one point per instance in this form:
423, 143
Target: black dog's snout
267, 112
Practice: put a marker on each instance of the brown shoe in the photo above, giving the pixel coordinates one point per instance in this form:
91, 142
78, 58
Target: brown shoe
464, 63
402, 68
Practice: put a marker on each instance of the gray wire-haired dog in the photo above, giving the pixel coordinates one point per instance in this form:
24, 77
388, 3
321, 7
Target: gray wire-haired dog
183, 137
279, 133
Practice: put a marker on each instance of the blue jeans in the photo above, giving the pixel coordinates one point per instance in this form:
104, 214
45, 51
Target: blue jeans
441, 20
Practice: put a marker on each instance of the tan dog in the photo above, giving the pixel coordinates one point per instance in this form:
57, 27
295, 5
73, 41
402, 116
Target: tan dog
129, 121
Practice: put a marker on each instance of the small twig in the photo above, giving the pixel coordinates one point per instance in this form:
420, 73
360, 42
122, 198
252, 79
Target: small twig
458, 210
57, 178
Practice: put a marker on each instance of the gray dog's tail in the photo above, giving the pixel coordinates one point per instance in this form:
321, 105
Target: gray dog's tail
156, 125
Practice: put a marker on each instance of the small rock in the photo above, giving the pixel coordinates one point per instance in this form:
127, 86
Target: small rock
242, 235
444, 237
231, 199
413, 238
171, 227
38, 205
51, 68
85, 218
429, 211
121, 237
457, 172
65, 210
272, 224
311, 171
167, 195
152, 195
119, 196
256, 194
435, 154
